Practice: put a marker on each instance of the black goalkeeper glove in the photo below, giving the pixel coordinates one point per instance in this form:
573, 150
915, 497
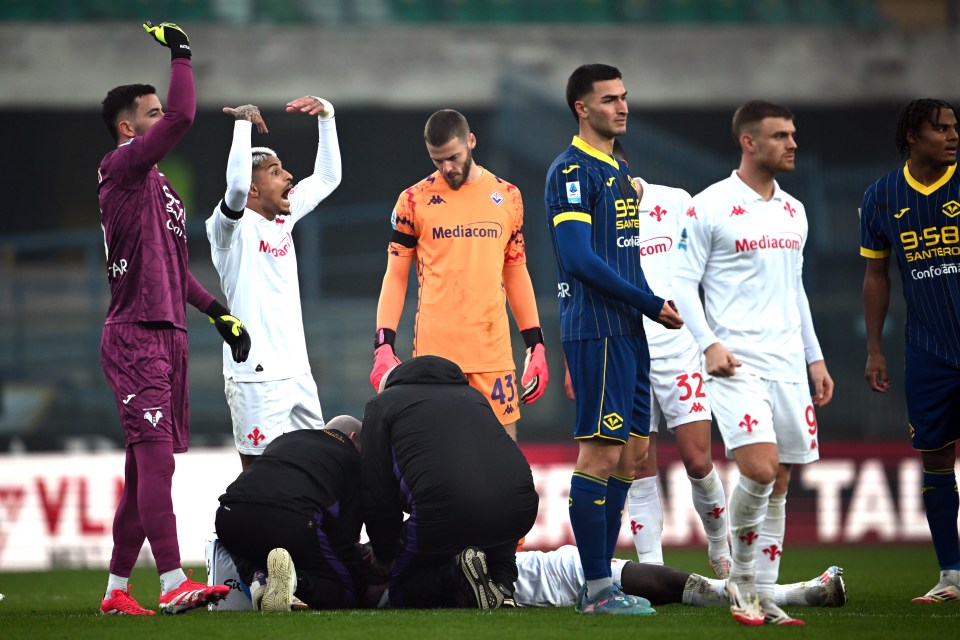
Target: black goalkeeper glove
172, 36
231, 329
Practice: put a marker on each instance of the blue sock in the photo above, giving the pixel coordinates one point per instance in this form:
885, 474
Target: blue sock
941, 502
617, 488
587, 517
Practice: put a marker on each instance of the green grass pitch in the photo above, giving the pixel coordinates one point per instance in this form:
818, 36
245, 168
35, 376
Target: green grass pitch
880, 582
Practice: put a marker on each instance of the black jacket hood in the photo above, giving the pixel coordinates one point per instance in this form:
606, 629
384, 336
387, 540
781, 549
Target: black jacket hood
426, 370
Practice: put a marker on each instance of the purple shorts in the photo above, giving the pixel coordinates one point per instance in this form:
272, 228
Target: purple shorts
146, 366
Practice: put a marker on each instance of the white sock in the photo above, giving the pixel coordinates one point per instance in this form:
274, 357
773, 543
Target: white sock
748, 508
646, 519
116, 582
711, 505
170, 580
791, 594
769, 547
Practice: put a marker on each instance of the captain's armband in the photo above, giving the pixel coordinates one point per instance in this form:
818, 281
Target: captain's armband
403, 239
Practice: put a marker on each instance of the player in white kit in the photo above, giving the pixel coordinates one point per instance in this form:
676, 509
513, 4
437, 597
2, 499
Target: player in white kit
678, 393
251, 242
554, 579
744, 245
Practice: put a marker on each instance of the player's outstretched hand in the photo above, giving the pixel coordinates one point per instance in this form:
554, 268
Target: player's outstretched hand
171, 36
719, 361
234, 334
535, 374
310, 105
384, 359
250, 113
669, 316
876, 373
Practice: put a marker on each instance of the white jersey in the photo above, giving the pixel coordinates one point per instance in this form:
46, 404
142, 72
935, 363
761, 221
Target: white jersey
553, 578
747, 253
662, 211
257, 263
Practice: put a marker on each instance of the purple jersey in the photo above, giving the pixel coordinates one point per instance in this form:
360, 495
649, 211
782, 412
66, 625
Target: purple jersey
144, 221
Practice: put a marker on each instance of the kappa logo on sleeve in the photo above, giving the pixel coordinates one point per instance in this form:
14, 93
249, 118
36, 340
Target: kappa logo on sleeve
573, 192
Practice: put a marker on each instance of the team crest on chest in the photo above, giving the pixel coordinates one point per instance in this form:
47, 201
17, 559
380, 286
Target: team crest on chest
951, 209
496, 198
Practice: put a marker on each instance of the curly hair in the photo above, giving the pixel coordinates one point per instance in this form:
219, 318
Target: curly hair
913, 116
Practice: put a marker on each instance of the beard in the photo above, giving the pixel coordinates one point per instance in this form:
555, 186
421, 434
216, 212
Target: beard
462, 171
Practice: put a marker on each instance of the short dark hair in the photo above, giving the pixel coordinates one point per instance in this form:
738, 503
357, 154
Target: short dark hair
913, 116
120, 99
752, 113
580, 82
445, 125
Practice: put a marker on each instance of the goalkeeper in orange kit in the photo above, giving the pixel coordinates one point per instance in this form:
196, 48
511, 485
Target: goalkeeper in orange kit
463, 227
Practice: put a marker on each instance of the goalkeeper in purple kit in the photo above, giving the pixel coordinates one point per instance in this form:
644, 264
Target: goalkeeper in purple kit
144, 346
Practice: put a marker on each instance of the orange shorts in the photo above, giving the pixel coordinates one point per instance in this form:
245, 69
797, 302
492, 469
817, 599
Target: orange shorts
502, 390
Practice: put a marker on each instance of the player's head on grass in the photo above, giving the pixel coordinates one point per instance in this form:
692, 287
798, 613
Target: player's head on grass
450, 145
764, 132
130, 110
270, 184
927, 132
598, 100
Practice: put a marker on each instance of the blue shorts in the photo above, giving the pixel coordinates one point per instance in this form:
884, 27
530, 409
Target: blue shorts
611, 379
932, 387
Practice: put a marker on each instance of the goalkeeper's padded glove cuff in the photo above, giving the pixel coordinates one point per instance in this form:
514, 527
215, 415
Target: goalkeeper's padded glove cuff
384, 336
215, 310
532, 337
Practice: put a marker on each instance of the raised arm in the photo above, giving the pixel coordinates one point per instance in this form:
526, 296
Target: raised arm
181, 107
327, 168
239, 164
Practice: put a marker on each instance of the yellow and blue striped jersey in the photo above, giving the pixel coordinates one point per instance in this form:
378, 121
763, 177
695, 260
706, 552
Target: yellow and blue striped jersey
921, 226
585, 185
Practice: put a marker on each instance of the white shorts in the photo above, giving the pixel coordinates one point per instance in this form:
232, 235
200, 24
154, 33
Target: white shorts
752, 410
677, 390
262, 411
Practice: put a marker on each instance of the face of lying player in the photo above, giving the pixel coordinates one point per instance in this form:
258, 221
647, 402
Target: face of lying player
605, 108
146, 112
774, 146
454, 160
936, 141
270, 189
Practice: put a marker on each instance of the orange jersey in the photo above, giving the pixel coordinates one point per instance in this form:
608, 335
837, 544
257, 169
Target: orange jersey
461, 241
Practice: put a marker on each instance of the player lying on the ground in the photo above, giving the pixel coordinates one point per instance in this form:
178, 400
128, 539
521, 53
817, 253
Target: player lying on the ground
554, 579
